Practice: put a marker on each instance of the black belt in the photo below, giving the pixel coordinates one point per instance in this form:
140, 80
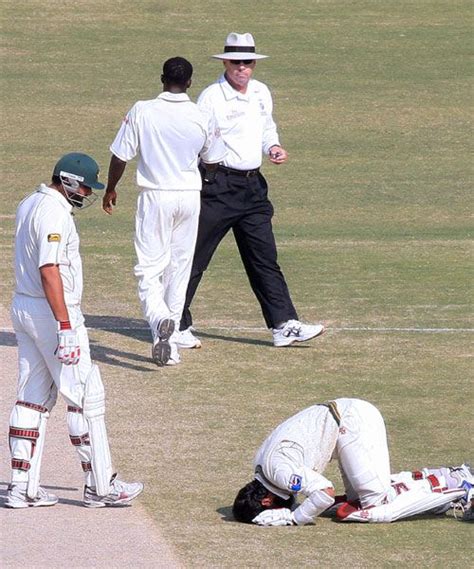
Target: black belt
235, 172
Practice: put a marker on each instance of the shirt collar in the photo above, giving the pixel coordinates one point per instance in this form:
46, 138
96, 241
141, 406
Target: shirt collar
44, 189
230, 92
173, 97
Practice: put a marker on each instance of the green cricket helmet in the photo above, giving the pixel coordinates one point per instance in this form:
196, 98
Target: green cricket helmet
74, 170
79, 167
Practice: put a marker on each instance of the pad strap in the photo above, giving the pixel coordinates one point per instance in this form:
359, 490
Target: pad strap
33, 406
19, 464
80, 440
30, 434
72, 409
86, 466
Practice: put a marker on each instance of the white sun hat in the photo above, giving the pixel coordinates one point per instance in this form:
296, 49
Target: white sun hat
239, 46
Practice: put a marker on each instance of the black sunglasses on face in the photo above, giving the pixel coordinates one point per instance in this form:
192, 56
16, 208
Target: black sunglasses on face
239, 61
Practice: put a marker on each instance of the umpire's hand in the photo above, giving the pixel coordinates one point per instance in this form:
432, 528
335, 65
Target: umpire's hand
277, 155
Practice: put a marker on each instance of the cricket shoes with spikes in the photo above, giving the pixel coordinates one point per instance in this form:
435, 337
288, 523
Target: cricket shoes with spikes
161, 351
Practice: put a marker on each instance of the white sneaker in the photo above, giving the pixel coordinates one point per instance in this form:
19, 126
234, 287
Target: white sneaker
174, 358
121, 493
186, 339
463, 477
460, 474
17, 497
295, 331
454, 476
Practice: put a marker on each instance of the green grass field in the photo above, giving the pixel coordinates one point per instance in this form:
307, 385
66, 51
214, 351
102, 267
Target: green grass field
374, 104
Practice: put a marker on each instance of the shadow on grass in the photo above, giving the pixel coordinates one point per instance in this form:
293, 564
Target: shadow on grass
64, 501
250, 341
8, 339
112, 356
237, 340
137, 329
226, 514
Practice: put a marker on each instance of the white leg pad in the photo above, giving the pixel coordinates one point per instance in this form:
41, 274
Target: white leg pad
417, 500
94, 413
79, 436
27, 434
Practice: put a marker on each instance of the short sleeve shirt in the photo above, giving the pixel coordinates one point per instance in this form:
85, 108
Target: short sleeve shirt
46, 234
245, 121
168, 134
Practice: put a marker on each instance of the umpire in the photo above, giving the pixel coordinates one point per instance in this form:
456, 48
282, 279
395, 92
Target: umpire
235, 196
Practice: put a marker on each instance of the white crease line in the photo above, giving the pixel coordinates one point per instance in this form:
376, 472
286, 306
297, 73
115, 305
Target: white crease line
248, 329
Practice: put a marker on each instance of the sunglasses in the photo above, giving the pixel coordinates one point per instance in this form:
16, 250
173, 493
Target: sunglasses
244, 61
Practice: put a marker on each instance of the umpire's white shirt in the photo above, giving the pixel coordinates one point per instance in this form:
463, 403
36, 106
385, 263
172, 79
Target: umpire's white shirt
168, 133
46, 234
294, 456
244, 120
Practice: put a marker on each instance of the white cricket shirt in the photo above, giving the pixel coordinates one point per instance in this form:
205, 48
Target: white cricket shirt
168, 134
46, 234
244, 120
294, 456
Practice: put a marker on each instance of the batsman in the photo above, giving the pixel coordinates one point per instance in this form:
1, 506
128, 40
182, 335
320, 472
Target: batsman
53, 345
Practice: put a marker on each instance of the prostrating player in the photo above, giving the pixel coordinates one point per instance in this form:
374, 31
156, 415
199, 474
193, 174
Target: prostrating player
294, 457
53, 346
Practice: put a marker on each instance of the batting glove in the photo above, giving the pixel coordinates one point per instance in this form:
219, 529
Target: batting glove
68, 350
275, 517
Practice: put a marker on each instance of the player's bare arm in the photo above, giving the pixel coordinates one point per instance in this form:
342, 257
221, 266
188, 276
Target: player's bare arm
53, 289
116, 170
67, 350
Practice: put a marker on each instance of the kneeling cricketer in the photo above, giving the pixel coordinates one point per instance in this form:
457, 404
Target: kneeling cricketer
293, 458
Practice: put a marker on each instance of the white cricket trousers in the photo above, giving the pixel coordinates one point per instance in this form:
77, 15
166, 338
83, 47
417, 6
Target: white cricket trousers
41, 376
166, 226
363, 452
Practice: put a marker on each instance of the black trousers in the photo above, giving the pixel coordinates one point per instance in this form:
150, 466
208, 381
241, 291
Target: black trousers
241, 204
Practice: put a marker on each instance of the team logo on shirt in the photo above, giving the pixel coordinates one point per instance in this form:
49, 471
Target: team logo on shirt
295, 482
54, 238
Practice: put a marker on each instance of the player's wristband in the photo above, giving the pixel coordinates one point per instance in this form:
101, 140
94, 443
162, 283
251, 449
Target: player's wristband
65, 325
